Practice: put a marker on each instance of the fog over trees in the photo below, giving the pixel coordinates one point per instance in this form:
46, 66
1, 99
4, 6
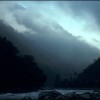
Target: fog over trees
53, 54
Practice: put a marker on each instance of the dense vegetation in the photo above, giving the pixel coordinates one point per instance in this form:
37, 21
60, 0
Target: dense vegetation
89, 78
18, 73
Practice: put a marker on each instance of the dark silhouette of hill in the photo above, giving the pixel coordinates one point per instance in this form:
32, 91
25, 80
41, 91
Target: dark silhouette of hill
18, 73
90, 77
25, 46
47, 52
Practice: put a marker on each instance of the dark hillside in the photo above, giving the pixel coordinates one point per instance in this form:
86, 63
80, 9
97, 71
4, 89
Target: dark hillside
90, 77
18, 73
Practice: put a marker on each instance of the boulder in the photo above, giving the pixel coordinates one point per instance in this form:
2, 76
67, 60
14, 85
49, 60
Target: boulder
54, 95
96, 95
72, 96
48, 95
87, 96
61, 97
28, 98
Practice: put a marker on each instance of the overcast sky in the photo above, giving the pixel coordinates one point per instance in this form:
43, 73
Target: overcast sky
79, 18
61, 29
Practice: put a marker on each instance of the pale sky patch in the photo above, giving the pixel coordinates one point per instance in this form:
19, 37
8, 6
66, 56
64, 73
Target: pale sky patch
84, 26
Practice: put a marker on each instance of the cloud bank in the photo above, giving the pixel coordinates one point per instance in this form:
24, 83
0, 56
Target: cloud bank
64, 35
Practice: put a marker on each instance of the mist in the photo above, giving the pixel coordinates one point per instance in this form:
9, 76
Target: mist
58, 46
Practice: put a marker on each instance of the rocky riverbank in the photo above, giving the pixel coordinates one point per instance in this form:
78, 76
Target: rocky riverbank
55, 95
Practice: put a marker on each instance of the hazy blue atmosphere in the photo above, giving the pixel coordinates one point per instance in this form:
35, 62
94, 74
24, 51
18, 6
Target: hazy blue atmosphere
63, 36
50, 50
62, 31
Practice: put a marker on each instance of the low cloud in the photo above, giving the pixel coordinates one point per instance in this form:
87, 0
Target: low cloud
53, 45
7, 14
